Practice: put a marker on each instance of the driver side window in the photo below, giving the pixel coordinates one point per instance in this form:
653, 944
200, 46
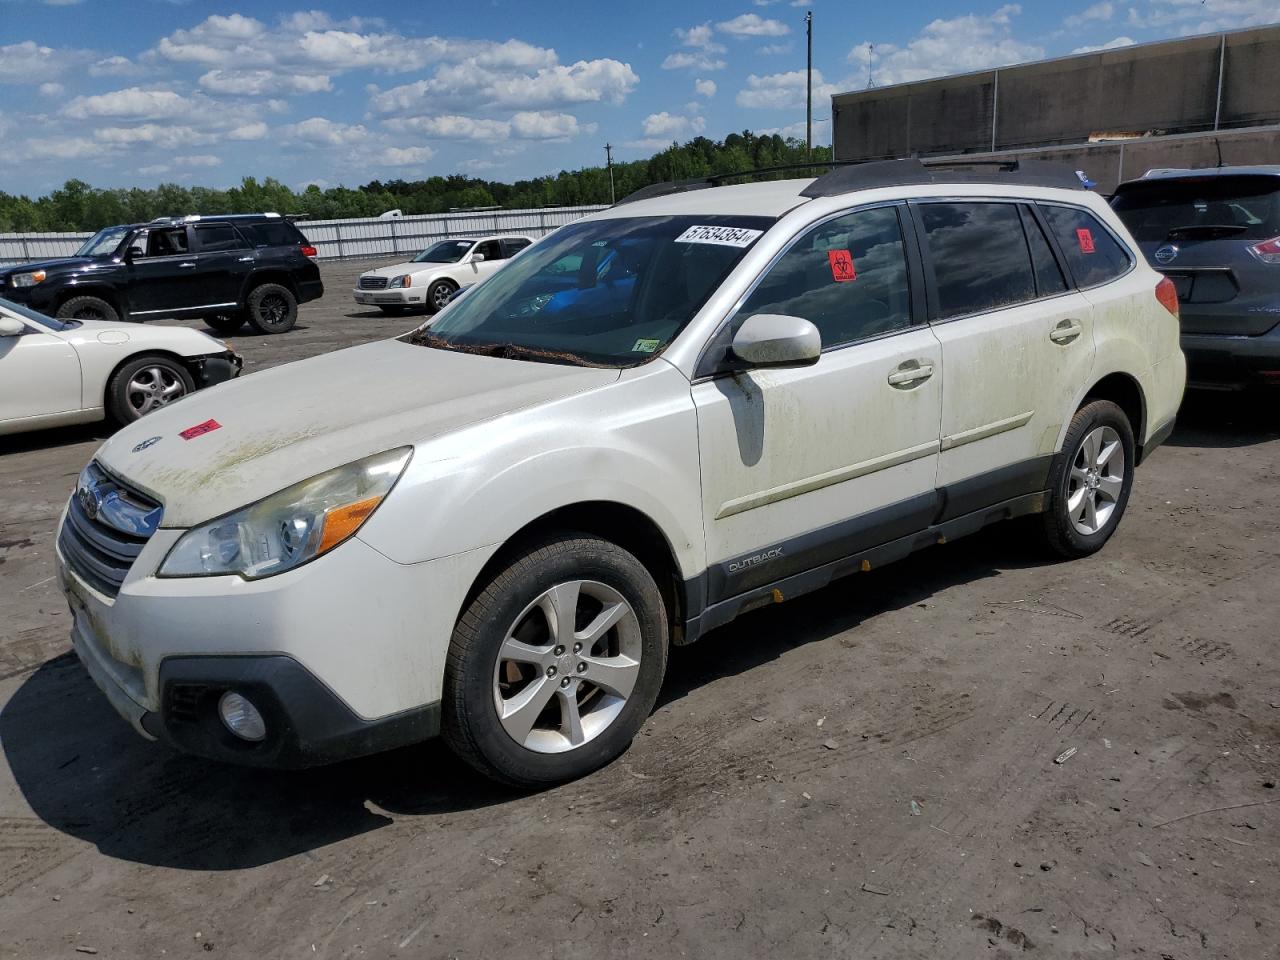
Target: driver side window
171, 242
847, 276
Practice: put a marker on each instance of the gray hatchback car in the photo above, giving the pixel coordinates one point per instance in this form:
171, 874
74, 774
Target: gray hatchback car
1216, 234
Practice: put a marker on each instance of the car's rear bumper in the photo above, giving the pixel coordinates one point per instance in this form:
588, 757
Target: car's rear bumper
1232, 361
309, 290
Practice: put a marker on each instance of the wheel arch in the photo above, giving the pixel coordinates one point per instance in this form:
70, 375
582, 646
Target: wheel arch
1126, 393
271, 275
184, 362
622, 524
111, 295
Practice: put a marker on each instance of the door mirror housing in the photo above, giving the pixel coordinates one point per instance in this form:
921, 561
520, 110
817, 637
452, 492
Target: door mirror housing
776, 340
131, 252
477, 258
9, 327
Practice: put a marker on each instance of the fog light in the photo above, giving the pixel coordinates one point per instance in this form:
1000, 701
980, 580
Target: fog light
241, 717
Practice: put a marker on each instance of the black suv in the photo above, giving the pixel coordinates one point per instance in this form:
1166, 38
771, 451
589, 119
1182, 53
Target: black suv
1216, 234
224, 270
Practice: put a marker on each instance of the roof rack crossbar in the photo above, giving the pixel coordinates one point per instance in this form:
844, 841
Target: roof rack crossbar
894, 173
668, 187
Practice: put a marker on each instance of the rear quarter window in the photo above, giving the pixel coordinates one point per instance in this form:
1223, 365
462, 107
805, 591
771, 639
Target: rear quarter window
273, 233
1092, 253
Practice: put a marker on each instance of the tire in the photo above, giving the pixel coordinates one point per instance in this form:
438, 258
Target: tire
392, 310
1086, 503
439, 294
225, 323
88, 308
272, 308
540, 745
144, 384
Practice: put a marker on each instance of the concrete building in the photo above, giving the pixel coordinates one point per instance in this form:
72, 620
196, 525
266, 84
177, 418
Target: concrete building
1191, 102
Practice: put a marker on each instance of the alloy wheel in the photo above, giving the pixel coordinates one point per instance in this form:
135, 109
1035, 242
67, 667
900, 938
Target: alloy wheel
1096, 481
567, 666
153, 387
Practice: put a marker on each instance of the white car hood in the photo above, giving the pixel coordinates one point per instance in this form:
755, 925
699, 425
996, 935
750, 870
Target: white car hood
180, 340
397, 269
283, 425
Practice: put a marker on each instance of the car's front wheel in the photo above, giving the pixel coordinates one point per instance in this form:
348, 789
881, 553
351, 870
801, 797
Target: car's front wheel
1090, 481
272, 308
556, 662
225, 323
440, 293
145, 384
88, 308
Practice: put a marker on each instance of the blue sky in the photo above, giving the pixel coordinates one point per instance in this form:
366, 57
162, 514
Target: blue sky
145, 91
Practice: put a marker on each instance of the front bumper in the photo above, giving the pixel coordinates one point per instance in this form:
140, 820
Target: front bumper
218, 368
1232, 361
343, 656
399, 297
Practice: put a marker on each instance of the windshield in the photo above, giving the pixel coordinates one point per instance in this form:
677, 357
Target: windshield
446, 251
610, 292
104, 243
1243, 207
27, 313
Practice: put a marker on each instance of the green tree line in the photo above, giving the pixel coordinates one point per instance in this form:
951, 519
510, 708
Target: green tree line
77, 206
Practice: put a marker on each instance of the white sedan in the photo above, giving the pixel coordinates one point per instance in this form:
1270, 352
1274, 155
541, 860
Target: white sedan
432, 277
56, 372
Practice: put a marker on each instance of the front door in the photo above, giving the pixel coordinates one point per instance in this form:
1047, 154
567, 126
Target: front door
805, 466
1016, 344
163, 278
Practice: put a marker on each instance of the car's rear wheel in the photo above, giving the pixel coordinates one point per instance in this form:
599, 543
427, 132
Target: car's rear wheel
225, 323
440, 293
1090, 481
556, 662
146, 384
272, 308
88, 308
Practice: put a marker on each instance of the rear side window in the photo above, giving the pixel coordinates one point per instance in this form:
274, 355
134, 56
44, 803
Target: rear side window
219, 236
980, 257
1049, 279
1092, 253
515, 245
848, 277
273, 233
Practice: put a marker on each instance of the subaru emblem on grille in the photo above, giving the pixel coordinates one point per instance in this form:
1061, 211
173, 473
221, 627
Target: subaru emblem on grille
1167, 253
149, 442
90, 501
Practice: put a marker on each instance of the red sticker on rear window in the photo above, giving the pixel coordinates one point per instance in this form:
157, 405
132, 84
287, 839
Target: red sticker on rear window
842, 268
1085, 238
200, 429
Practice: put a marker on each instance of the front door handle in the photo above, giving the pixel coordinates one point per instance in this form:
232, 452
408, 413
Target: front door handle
244, 260
1066, 331
910, 373
186, 266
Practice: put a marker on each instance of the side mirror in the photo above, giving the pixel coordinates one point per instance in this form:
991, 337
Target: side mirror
9, 327
133, 251
477, 258
776, 340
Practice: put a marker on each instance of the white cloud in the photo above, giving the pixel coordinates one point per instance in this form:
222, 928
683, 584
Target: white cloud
132, 103
774, 49
704, 88
753, 25
1109, 45
1098, 12
116, 66
472, 85
1203, 16
60, 148
782, 91
29, 62
959, 45
198, 160
701, 37
325, 131
166, 136
534, 125
154, 169
405, 156
523, 125
51, 89
248, 131
667, 126
256, 83
692, 61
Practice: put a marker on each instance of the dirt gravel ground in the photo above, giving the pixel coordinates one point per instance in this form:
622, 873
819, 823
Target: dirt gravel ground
865, 772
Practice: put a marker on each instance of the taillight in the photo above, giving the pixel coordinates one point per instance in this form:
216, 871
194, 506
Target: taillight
1268, 251
1167, 294
308, 250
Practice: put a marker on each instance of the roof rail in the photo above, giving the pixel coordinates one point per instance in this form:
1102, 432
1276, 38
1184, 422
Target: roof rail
894, 173
669, 187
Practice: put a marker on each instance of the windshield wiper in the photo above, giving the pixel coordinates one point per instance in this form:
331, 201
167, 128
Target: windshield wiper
507, 351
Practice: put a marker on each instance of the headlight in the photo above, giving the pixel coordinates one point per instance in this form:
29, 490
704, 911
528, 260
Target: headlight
404, 280
291, 527
27, 279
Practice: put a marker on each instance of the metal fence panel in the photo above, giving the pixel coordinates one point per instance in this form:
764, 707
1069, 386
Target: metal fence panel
346, 239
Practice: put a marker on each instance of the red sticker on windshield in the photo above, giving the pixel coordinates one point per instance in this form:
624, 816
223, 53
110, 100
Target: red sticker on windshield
1085, 238
842, 268
200, 429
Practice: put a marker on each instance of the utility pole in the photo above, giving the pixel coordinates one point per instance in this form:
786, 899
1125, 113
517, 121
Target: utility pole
608, 155
808, 119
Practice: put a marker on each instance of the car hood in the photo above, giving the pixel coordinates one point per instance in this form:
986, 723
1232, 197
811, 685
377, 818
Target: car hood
397, 269
265, 432
63, 264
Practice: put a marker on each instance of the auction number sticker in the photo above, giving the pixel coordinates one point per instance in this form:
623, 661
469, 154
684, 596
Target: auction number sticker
720, 236
1085, 238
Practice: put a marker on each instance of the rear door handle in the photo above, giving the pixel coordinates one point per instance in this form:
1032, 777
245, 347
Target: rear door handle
910, 373
245, 260
186, 266
1066, 331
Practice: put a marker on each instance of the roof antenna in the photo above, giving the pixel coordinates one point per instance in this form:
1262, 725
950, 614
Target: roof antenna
871, 52
1218, 143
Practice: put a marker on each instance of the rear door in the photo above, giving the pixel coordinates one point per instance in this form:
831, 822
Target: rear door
224, 260
1204, 234
1017, 343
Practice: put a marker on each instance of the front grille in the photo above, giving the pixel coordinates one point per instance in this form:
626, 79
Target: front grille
373, 283
101, 553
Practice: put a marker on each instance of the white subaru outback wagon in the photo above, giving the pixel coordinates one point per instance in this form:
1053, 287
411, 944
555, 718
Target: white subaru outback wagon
699, 401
